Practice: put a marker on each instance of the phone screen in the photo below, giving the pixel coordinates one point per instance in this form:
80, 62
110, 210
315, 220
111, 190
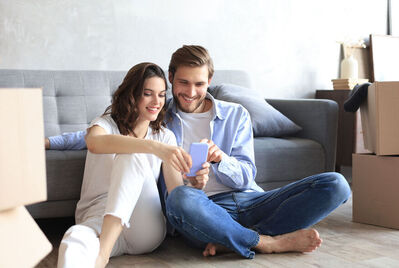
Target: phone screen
199, 154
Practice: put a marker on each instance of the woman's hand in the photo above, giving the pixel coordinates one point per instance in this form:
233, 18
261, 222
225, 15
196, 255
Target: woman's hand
101, 261
201, 178
174, 156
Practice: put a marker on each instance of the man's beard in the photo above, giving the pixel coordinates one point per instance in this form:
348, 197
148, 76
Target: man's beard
176, 100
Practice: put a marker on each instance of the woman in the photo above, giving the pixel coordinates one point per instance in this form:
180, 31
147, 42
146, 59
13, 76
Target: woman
119, 211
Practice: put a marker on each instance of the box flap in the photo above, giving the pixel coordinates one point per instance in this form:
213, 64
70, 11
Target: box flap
22, 243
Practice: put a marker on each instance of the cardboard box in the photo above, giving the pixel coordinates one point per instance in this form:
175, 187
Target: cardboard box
22, 156
380, 118
22, 243
375, 184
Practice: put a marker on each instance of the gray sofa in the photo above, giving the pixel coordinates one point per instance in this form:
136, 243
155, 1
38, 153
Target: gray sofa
71, 99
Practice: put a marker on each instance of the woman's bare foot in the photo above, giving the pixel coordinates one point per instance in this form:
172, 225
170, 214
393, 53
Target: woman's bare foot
211, 249
305, 240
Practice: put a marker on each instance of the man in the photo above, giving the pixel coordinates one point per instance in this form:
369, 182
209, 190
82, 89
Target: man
232, 212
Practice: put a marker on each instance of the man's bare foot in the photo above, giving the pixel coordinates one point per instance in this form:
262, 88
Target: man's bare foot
211, 249
305, 240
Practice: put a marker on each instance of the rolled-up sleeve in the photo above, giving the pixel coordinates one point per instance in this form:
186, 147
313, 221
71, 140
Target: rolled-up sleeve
238, 170
68, 141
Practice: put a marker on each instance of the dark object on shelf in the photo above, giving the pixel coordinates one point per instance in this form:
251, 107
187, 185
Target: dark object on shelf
358, 95
350, 134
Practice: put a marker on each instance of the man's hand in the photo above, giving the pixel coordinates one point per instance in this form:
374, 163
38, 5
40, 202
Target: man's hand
175, 156
46, 143
201, 178
214, 153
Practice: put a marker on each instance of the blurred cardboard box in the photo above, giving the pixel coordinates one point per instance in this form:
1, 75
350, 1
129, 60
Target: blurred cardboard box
380, 118
22, 243
375, 184
22, 156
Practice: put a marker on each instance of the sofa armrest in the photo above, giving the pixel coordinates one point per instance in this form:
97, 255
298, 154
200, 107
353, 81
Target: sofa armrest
318, 119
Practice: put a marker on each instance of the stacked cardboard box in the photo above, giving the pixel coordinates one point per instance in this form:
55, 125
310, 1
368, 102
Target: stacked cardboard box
376, 176
380, 118
347, 83
22, 177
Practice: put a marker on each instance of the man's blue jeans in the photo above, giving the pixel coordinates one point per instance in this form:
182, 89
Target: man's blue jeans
235, 219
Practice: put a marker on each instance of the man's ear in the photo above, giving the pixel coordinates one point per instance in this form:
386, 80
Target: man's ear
209, 81
170, 76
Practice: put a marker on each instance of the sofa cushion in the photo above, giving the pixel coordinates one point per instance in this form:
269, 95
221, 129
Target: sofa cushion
266, 120
64, 174
71, 99
283, 160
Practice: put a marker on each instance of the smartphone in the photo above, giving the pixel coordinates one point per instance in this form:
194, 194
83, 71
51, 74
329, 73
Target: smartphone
199, 154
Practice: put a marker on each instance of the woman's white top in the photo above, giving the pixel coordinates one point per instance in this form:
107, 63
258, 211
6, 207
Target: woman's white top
98, 167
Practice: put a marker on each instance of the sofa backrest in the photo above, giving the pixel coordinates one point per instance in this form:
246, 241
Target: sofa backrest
71, 99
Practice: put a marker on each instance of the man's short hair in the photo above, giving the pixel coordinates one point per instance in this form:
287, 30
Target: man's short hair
193, 56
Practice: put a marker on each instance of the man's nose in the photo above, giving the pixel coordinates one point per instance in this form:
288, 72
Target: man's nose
190, 91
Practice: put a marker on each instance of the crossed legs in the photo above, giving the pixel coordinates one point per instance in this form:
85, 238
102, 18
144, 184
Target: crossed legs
278, 218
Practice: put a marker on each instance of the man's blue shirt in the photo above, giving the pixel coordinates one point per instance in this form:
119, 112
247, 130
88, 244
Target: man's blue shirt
231, 131
68, 141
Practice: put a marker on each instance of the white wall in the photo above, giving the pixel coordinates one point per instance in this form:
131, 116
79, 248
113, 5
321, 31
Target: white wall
288, 46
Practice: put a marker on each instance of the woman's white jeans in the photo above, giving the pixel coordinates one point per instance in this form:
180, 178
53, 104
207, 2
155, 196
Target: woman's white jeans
133, 197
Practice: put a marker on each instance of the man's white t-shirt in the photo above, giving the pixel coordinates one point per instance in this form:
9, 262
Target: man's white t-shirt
98, 167
197, 126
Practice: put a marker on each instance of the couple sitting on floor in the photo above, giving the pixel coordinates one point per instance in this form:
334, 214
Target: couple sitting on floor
221, 208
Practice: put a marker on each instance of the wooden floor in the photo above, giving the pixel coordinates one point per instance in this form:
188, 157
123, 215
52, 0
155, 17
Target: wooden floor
345, 244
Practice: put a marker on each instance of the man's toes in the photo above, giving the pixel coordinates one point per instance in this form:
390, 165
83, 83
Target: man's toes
310, 249
212, 250
316, 244
314, 234
205, 253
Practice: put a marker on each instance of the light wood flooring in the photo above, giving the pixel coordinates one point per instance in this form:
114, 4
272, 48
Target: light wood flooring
345, 244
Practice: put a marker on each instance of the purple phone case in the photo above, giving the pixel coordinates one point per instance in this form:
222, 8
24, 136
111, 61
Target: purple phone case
199, 154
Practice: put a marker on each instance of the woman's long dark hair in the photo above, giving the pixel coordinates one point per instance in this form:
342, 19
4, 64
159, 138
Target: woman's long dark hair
124, 109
